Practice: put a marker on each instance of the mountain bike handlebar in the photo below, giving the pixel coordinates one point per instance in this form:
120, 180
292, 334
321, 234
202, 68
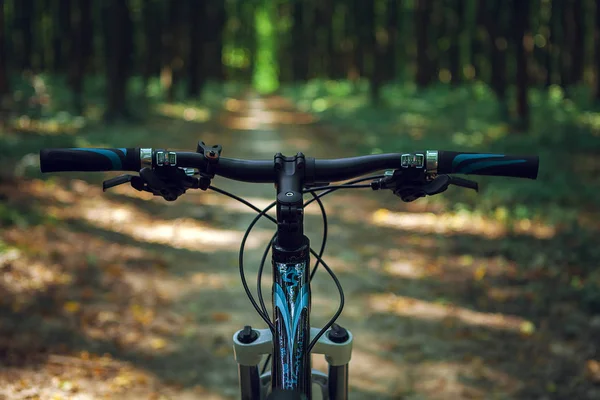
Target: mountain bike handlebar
263, 171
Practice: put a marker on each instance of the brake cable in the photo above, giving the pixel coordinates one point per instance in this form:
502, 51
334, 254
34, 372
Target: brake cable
263, 310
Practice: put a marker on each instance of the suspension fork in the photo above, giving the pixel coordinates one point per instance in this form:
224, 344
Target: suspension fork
336, 348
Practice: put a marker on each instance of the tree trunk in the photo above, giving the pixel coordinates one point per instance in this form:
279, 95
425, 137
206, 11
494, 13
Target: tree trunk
4, 87
481, 42
569, 49
196, 19
79, 51
360, 53
152, 26
557, 38
389, 58
299, 43
577, 44
456, 22
325, 51
496, 32
172, 57
118, 33
213, 32
597, 51
521, 38
423, 18
377, 73
24, 28
62, 39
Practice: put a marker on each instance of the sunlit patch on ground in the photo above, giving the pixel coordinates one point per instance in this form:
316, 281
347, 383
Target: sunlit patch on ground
185, 112
181, 233
176, 310
457, 223
256, 113
415, 308
86, 376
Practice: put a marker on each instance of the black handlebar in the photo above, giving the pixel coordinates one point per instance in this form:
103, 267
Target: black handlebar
316, 171
453, 162
80, 159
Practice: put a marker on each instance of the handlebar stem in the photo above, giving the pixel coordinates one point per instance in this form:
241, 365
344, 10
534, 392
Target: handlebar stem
290, 173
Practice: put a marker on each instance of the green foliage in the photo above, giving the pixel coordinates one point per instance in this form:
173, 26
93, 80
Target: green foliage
565, 133
265, 77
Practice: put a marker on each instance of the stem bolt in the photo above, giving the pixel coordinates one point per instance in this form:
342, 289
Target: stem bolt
289, 194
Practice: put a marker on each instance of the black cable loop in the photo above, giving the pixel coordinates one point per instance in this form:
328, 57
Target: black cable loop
262, 311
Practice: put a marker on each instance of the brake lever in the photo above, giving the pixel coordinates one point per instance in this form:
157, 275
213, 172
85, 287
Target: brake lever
116, 181
466, 183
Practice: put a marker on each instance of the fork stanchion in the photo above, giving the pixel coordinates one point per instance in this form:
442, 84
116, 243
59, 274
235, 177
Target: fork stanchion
249, 382
338, 382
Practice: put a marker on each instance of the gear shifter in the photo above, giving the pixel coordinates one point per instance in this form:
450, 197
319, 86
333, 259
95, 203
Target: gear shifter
169, 183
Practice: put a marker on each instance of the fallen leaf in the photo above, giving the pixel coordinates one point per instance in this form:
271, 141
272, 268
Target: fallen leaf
158, 343
527, 328
479, 273
71, 307
220, 316
381, 215
592, 371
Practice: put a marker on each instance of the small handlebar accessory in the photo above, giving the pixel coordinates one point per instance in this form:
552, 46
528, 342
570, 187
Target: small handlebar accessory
170, 183
411, 185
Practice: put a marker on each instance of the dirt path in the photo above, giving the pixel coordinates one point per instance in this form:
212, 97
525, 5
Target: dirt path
154, 286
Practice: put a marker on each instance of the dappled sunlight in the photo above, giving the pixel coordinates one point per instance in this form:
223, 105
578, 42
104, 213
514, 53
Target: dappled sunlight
415, 308
180, 233
73, 375
375, 374
257, 113
448, 223
22, 276
445, 379
255, 120
48, 127
185, 112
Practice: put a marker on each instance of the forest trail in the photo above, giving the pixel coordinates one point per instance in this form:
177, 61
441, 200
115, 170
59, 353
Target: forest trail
127, 296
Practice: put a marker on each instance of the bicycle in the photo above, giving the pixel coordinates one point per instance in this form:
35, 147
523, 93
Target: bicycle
289, 339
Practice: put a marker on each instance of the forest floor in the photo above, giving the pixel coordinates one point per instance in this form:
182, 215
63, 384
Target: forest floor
121, 295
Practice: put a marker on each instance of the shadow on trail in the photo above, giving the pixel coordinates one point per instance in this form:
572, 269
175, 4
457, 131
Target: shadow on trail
443, 315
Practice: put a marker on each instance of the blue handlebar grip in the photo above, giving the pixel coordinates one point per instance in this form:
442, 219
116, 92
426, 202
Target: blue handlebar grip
90, 159
453, 162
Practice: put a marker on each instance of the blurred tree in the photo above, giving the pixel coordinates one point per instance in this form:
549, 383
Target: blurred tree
80, 49
572, 54
391, 39
376, 72
523, 44
4, 87
61, 33
555, 44
481, 42
171, 41
423, 17
496, 23
23, 35
597, 51
384, 38
213, 34
358, 32
323, 52
300, 61
152, 26
196, 19
455, 20
118, 36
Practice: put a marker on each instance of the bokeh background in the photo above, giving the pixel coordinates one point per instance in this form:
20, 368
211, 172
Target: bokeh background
493, 295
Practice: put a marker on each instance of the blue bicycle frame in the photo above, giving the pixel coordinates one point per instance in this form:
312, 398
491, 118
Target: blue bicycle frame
291, 310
